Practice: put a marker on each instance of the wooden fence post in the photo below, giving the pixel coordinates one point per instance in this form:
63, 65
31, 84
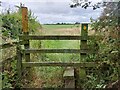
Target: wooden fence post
83, 46
26, 33
19, 64
25, 20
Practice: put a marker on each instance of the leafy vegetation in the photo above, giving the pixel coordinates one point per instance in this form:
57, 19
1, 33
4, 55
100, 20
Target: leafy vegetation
9, 76
11, 28
11, 23
107, 26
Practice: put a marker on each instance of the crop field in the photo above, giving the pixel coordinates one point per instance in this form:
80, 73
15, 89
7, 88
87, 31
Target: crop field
57, 26
61, 29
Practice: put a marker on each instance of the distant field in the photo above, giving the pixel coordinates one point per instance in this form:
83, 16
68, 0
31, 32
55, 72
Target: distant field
59, 26
60, 29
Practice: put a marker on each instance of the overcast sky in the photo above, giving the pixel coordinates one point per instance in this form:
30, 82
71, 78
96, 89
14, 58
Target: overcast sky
53, 11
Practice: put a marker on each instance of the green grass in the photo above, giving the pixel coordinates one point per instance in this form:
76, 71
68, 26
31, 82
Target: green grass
50, 27
60, 44
61, 57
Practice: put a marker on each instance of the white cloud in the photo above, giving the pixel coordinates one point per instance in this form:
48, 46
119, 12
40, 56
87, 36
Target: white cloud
55, 11
35, 1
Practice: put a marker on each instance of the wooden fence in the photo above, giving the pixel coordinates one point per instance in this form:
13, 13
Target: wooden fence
25, 37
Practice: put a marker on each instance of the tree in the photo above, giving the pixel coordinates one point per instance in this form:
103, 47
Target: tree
11, 23
85, 4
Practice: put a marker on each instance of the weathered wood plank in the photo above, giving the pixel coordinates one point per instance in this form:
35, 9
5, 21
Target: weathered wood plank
69, 84
56, 51
19, 63
25, 19
83, 44
69, 72
54, 37
69, 78
26, 33
60, 64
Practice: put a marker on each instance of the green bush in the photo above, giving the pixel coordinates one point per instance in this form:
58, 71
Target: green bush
11, 28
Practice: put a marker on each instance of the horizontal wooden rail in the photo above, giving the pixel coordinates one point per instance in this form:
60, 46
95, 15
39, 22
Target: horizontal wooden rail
7, 45
56, 51
54, 37
60, 64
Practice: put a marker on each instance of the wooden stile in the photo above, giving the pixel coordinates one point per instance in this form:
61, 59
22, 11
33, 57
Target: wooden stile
69, 74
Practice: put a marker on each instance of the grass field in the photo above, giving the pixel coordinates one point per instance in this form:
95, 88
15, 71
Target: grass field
60, 29
52, 26
61, 44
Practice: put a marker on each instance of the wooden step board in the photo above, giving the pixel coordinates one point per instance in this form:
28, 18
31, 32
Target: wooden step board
69, 78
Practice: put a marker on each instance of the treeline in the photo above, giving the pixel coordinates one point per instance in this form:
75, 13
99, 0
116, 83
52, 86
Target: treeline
62, 23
